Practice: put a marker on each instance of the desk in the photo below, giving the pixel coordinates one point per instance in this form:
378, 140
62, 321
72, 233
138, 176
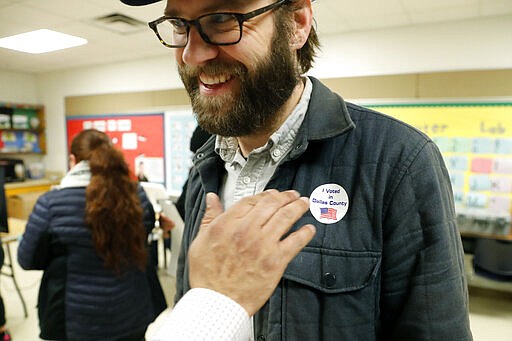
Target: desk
16, 229
29, 186
22, 196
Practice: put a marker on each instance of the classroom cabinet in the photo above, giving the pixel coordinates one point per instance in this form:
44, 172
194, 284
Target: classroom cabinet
22, 129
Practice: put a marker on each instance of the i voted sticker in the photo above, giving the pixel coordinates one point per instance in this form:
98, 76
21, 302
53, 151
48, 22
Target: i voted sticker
328, 203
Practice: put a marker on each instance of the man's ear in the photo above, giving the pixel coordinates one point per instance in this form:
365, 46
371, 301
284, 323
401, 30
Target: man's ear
303, 19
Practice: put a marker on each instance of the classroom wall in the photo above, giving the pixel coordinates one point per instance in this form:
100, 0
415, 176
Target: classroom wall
17, 87
482, 44
400, 63
461, 85
427, 86
143, 75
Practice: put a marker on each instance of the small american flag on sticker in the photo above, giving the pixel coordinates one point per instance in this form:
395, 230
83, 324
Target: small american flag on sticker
328, 213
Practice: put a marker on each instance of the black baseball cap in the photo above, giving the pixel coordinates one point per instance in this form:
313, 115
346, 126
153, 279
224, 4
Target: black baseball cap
146, 2
138, 2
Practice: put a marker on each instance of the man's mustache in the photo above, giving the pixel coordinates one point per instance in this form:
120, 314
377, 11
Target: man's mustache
213, 68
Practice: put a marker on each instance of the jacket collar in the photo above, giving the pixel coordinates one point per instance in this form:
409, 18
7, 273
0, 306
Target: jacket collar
327, 116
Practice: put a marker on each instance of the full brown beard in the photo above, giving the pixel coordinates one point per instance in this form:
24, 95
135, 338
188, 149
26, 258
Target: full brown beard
263, 92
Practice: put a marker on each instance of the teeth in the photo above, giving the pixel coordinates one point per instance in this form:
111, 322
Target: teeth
213, 80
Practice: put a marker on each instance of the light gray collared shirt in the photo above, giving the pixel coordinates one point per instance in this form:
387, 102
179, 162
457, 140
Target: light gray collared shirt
249, 176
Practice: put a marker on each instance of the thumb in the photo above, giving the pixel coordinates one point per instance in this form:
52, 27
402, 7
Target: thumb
213, 208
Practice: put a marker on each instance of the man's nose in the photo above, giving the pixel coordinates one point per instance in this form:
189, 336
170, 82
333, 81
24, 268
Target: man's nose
197, 51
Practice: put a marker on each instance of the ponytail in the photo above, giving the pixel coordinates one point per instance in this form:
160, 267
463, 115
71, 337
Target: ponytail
113, 209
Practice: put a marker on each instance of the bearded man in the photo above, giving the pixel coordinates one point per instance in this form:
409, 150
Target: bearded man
386, 262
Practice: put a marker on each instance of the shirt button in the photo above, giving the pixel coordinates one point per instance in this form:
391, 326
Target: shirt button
276, 153
329, 280
261, 338
246, 180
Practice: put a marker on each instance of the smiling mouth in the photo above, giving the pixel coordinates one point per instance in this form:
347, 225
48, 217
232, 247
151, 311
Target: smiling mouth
214, 80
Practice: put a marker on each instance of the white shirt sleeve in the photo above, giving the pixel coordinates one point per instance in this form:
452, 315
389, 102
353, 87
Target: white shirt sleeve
203, 314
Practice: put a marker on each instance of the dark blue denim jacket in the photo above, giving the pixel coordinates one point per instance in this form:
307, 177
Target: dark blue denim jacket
392, 268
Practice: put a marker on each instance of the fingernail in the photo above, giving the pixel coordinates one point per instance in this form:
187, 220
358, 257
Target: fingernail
305, 199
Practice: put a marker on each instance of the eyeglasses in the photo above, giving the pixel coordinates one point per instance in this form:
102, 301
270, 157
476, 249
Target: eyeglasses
214, 28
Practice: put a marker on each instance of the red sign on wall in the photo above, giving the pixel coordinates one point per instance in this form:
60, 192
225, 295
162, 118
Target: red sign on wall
140, 137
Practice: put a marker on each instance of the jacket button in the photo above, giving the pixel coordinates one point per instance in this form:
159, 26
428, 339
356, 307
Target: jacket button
329, 279
261, 338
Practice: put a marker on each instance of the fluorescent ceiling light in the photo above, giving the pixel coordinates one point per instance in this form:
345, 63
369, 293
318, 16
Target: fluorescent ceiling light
41, 41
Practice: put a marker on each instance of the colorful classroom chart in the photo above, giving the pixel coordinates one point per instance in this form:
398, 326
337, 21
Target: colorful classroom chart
475, 140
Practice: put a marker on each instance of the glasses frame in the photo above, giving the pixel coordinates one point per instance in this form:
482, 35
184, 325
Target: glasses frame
240, 17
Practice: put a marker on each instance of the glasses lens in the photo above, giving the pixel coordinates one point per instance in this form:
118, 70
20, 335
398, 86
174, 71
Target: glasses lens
173, 32
221, 28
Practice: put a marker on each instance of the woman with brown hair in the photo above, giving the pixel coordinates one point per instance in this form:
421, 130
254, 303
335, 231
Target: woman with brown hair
90, 237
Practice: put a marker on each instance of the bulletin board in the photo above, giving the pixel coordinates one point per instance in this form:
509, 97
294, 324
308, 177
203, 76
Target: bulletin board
180, 125
139, 136
475, 140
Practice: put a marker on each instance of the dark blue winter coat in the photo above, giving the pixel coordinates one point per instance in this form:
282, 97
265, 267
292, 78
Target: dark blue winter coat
79, 298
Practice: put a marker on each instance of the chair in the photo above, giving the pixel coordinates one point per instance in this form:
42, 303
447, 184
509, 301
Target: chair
17, 226
155, 193
169, 209
493, 259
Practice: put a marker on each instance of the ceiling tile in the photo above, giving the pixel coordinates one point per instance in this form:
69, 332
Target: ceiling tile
77, 17
27, 16
496, 7
328, 19
365, 8
9, 27
67, 9
444, 14
8, 2
379, 21
421, 5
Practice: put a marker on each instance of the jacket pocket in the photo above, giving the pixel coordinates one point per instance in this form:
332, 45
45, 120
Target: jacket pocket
333, 271
331, 295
